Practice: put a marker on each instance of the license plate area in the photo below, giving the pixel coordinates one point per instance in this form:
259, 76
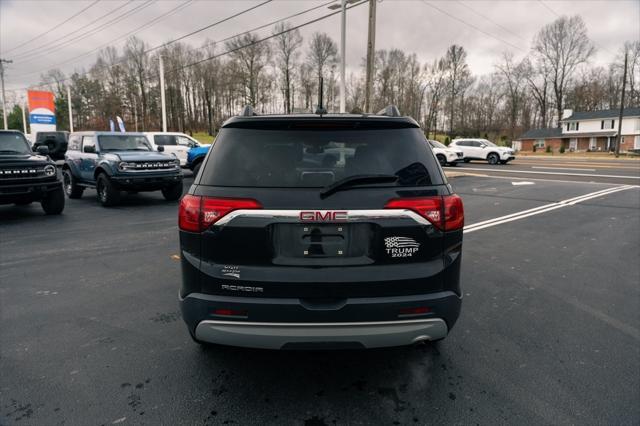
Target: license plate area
322, 244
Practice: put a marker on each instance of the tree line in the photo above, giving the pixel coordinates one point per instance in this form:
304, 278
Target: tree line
205, 85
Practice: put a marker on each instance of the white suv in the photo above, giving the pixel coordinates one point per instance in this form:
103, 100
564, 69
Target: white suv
446, 155
178, 144
482, 149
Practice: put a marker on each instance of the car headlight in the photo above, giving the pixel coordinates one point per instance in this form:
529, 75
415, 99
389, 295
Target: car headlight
50, 170
123, 165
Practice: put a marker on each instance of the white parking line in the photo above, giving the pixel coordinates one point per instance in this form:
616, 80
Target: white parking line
462, 169
543, 209
563, 168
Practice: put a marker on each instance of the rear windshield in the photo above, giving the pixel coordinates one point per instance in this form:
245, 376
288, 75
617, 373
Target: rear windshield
317, 158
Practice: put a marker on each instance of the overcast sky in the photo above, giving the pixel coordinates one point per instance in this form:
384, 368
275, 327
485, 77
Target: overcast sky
484, 28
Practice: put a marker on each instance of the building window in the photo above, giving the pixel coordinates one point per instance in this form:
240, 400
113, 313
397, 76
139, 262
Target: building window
573, 126
607, 124
539, 143
592, 144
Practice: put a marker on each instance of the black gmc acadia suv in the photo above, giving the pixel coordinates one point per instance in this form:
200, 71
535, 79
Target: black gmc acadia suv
320, 231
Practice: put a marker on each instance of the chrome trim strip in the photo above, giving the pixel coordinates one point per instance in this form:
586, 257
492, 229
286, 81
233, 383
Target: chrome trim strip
323, 324
352, 215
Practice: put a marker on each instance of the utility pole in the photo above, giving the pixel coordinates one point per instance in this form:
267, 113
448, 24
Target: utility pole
343, 59
371, 50
69, 105
4, 96
162, 100
624, 84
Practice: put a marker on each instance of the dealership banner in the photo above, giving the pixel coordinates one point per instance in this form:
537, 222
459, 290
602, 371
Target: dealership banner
42, 111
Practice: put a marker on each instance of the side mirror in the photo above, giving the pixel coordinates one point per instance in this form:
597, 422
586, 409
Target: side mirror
483, 146
160, 148
42, 150
89, 149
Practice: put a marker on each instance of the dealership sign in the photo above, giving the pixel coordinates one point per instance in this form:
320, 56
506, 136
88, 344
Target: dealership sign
42, 111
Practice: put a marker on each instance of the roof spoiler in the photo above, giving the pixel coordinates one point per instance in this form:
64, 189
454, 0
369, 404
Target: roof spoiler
248, 111
390, 111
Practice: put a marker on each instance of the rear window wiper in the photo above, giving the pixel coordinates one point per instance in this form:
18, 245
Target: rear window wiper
356, 180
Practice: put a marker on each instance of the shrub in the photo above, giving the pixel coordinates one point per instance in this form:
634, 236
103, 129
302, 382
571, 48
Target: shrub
446, 141
534, 148
548, 149
561, 149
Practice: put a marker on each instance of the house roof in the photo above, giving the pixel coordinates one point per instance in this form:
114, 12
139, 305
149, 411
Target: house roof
555, 132
602, 114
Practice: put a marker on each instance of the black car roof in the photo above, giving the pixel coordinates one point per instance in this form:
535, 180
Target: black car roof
284, 121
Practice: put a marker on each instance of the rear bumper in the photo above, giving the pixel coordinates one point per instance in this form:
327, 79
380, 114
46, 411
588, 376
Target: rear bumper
283, 323
315, 335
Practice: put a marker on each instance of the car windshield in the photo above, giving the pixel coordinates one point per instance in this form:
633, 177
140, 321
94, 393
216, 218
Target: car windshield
13, 143
318, 158
123, 143
437, 144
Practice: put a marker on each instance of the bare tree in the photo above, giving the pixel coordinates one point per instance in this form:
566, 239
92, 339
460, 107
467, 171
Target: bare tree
322, 53
561, 47
458, 71
287, 45
252, 57
513, 77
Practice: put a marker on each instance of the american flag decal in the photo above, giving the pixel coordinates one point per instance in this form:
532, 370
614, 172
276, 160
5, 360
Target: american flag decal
400, 242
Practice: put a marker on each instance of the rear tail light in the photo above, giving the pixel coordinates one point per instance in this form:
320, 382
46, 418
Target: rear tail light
444, 212
225, 312
420, 310
197, 213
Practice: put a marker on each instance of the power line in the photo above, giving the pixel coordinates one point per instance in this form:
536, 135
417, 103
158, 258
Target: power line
167, 43
313, 21
132, 32
548, 8
472, 26
95, 30
491, 20
208, 26
53, 27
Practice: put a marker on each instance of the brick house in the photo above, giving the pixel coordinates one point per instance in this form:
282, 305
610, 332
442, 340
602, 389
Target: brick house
585, 131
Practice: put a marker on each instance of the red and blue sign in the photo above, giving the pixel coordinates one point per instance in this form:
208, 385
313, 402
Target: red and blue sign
42, 111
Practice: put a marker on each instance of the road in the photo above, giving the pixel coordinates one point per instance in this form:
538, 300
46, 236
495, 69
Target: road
611, 170
549, 333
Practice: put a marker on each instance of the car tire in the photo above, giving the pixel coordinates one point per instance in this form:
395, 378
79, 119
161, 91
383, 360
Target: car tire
454, 164
504, 161
53, 202
71, 188
493, 158
173, 192
196, 169
442, 160
108, 195
466, 160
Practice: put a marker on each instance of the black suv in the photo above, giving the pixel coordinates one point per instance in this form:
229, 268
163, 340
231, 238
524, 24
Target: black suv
113, 162
26, 177
307, 231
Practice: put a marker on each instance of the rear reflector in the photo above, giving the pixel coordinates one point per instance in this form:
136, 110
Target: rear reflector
197, 213
230, 312
415, 311
444, 212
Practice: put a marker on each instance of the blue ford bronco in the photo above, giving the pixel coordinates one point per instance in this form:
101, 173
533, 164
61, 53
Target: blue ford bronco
113, 162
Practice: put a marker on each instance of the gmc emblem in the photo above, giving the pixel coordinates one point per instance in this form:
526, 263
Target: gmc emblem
323, 216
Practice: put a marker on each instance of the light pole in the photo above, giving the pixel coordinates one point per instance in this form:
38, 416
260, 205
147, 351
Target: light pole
4, 96
162, 100
343, 43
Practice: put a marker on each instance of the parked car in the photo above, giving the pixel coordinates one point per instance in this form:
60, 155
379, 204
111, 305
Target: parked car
196, 156
446, 155
178, 144
482, 149
113, 162
315, 231
26, 177
56, 142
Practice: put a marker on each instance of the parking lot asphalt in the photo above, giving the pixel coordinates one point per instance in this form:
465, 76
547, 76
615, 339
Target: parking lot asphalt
549, 332
581, 169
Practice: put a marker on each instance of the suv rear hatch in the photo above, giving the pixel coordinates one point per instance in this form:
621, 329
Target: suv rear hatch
319, 209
